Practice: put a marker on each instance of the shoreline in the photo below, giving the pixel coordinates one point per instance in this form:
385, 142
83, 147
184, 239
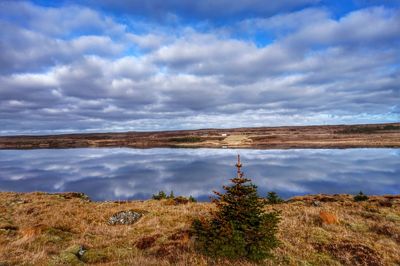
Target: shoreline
296, 137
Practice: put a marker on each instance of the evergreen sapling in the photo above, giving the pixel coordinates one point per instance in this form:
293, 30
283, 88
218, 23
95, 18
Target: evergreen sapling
239, 228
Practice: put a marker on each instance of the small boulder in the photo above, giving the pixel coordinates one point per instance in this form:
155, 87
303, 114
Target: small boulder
77, 250
124, 217
328, 218
316, 203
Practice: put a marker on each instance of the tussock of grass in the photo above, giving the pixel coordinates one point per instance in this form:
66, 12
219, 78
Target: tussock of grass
40, 229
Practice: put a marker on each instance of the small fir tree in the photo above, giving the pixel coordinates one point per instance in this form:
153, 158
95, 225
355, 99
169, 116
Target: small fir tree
273, 198
240, 228
171, 195
161, 195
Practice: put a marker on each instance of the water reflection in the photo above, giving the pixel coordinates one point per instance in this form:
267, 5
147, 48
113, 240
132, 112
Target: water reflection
110, 174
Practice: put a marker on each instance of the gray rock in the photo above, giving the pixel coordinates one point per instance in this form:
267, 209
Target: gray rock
124, 217
316, 203
81, 251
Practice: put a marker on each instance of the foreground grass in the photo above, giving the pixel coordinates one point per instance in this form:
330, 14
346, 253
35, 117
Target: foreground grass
45, 229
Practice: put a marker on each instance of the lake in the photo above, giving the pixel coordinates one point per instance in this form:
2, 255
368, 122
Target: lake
123, 173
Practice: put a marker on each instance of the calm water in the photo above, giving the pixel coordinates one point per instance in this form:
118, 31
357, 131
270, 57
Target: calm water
112, 174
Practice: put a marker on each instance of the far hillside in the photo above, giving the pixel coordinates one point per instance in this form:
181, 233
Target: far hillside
327, 136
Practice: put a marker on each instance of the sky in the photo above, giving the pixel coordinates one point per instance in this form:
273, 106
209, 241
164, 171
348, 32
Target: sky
107, 66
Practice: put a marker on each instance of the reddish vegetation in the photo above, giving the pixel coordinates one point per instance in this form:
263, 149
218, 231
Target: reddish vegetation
328, 218
340, 136
147, 242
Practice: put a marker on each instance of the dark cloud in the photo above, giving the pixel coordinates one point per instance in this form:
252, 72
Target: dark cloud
71, 68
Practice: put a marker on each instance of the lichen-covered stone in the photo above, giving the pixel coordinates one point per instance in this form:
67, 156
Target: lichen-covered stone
67, 258
70, 256
124, 217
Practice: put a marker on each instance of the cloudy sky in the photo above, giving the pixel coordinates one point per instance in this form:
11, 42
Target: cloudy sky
104, 65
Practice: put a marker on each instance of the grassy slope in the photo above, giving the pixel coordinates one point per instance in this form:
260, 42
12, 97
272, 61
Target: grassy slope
38, 229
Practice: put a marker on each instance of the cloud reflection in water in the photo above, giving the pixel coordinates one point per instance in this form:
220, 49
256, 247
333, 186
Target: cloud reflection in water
111, 174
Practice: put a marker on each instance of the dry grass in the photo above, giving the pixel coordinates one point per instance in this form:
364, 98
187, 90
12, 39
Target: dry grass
45, 229
237, 140
336, 136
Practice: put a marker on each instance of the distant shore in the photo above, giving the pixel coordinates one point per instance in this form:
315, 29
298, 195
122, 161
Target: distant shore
326, 136
50, 229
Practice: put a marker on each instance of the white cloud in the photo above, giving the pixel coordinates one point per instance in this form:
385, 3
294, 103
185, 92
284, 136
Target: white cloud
113, 77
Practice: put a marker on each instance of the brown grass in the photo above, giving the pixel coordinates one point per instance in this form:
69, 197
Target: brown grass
44, 229
335, 136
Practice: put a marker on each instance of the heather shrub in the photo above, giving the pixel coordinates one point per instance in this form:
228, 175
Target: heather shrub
360, 197
239, 228
183, 200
